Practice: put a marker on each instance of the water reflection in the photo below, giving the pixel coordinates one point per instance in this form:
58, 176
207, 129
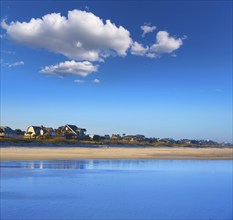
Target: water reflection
156, 165
47, 164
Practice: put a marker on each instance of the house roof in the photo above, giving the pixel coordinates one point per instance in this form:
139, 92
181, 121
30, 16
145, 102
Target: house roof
81, 129
74, 128
37, 129
3, 127
7, 129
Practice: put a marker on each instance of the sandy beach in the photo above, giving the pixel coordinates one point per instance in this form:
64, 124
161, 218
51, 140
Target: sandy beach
69, 153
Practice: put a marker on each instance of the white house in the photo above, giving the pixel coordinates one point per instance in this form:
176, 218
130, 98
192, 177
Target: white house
35, 131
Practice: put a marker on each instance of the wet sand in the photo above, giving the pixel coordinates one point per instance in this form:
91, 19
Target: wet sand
72, 153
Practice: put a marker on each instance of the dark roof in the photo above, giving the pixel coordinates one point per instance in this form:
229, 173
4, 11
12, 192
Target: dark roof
73, 127
36, 129
81, 129
7, 130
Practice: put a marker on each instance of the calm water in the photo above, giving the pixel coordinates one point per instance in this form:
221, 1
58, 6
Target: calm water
116, 189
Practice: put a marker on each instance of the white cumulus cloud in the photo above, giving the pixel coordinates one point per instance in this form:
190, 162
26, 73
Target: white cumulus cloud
147, 28
71, 68
165, 44
79, 36
84, 38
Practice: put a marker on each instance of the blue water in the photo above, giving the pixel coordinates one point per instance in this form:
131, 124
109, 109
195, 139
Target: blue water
116, 189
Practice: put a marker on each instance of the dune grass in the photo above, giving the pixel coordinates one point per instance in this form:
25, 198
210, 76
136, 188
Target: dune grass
58, 141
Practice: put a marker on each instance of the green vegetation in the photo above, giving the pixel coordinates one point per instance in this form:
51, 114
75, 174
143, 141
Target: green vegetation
47, 141
94, 143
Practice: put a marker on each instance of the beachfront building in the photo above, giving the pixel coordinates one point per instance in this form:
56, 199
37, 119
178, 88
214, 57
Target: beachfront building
39, 131
72, 131
34, 131
7, 132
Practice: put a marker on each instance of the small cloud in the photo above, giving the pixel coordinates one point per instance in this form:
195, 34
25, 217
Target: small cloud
18, 63
166, 44
147, 28
163, 44
2, 36
9, 65
151, 55
79, 81
96, 81
71, 68
138, 49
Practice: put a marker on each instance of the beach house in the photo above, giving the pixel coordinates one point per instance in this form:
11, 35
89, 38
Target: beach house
39, 131
72, 131
6, 131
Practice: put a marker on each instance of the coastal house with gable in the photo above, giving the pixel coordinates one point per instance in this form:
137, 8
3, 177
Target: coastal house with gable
72, 131
39, 131
6, 131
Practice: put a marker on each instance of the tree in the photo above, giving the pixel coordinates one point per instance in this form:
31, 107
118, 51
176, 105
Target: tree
59, 132
96, 138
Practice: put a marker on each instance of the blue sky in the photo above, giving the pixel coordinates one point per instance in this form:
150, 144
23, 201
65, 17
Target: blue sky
175, 81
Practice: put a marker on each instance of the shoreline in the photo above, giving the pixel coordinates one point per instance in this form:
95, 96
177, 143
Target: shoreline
75, 153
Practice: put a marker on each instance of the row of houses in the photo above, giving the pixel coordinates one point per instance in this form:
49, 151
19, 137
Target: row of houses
73, 132
169, 141
66, 131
